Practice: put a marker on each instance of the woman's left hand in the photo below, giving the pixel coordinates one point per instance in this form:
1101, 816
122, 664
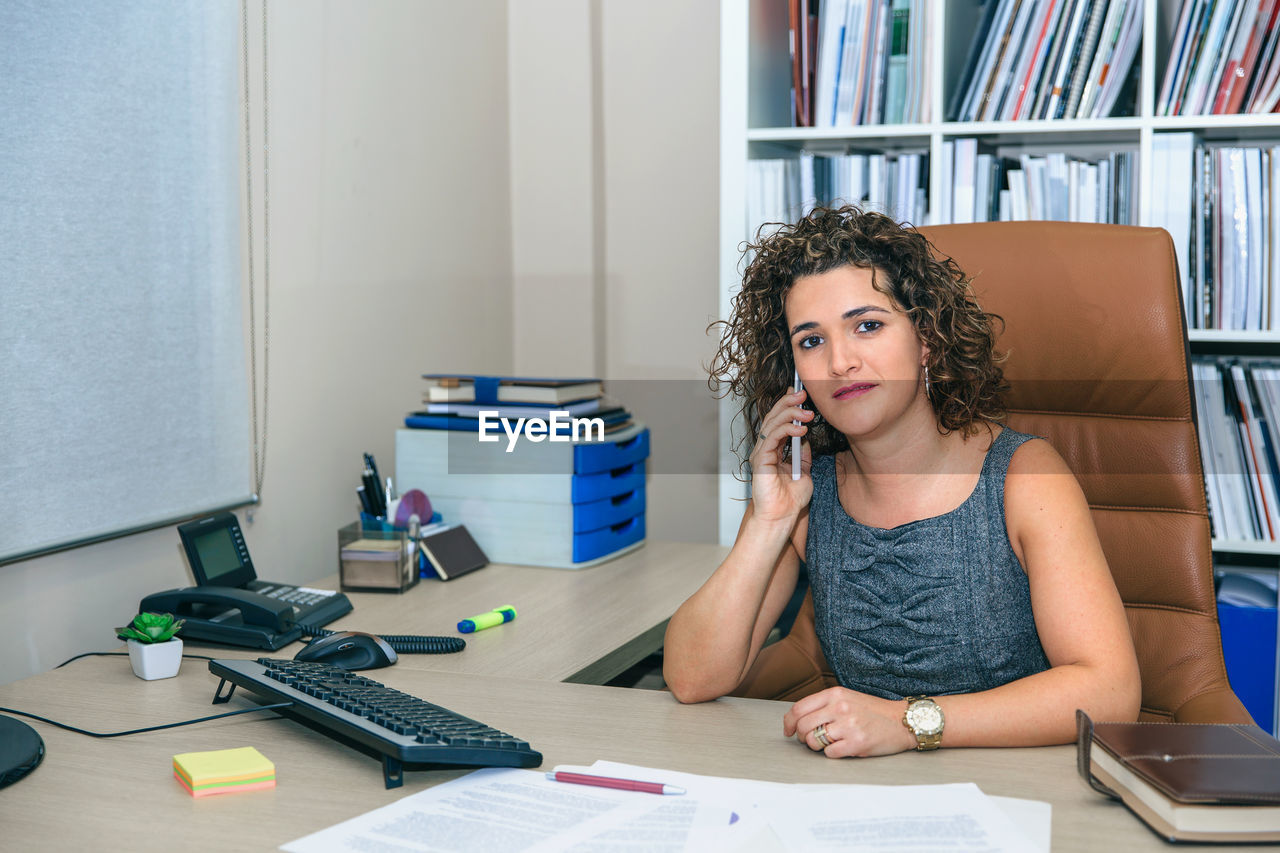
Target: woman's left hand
856, 724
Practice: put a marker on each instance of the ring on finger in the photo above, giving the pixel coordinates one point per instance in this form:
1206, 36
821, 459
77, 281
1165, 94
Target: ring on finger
820, 735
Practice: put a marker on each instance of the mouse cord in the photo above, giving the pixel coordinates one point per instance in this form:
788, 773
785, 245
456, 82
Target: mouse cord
148, 728
402, 644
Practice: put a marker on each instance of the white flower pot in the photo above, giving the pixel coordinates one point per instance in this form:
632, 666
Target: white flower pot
155, 660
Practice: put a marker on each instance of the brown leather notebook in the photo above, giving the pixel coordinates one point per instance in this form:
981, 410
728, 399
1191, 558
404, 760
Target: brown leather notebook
452, 552
1187, 781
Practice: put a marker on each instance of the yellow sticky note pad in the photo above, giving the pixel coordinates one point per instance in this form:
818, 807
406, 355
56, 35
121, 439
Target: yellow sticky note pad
224, 771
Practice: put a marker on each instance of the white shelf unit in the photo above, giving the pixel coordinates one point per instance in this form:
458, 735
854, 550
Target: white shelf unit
755, 121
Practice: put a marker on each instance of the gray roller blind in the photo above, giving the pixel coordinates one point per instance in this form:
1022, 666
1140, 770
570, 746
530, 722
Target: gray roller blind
123, 399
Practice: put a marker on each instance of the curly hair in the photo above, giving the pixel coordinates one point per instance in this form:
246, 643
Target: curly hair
754, 359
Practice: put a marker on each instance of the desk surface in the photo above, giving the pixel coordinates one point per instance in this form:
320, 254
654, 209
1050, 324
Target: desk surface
108, 794
584, 625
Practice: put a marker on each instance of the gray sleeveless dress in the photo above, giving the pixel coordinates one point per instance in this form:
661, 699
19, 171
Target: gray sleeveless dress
935, 606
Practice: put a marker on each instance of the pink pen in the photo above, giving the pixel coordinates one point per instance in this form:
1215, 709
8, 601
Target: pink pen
610, 782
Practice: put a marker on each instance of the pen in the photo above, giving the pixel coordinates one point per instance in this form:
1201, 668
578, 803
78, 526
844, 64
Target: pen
496, 616
378, 495
795, 439
371, 491
610, 782
364, 501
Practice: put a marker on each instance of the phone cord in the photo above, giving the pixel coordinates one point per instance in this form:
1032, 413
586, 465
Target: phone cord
403, 644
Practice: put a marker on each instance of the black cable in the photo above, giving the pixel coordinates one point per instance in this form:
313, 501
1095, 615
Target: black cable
148, 728
403, 644
120, 654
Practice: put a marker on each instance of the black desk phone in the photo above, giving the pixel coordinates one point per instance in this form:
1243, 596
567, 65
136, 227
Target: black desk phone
229, 604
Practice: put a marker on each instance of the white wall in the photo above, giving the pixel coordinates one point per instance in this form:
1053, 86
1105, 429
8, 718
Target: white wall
660, 103
554, 151
615, 158
391, 256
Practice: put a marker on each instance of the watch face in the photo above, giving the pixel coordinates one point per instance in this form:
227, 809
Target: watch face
925, 718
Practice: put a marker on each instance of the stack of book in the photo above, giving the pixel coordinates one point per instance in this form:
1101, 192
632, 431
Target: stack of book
859, 62
1050, 59
1224, 59
783, 190
1238, 402
986, 187
1221, 205
533, 487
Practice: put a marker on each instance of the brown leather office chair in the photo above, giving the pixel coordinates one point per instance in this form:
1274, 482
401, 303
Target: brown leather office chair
1098, 364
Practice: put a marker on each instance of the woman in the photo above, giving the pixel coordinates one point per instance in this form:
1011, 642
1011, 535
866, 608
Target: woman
961, 595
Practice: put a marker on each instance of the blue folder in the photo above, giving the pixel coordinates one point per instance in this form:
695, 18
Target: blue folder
1249, 648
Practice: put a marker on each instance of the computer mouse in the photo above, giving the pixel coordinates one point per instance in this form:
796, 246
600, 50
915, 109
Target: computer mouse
349, 650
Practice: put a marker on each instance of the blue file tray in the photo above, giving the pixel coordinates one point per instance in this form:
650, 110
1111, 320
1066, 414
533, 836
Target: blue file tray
607, 484
598, 543
607, 456
1249, 647
592, 516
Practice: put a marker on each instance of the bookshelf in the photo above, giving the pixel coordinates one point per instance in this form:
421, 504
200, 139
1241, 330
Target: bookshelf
756, 124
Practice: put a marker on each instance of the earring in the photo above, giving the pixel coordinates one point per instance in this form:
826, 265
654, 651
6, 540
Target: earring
926, 382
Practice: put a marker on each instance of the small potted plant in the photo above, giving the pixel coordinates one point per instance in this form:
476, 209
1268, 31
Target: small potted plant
154, 651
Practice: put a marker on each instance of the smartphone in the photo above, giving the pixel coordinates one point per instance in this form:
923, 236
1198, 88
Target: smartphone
795, 439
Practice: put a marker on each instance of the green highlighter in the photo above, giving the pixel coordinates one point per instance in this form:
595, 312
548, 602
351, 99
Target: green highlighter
496, 616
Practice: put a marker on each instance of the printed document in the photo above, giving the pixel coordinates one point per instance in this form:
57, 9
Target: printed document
522, 810
506, 809
757, 808
902, 818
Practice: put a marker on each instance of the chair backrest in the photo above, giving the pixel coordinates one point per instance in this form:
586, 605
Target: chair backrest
1097, 360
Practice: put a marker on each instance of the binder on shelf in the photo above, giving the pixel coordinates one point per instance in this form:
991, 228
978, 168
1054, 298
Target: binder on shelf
1247, 617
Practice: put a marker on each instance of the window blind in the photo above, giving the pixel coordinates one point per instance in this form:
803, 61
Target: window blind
123, 401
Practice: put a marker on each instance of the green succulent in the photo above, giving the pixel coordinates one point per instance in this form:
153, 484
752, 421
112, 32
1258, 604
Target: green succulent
150, 628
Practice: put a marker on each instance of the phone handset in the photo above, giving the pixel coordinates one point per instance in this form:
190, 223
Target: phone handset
255, 608
795, 439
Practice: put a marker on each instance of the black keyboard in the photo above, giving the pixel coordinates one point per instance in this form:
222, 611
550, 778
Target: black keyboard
400, 727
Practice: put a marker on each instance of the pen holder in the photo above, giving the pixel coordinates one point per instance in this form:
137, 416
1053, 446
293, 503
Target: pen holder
376, 559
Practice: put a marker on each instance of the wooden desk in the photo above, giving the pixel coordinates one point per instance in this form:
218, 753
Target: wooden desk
114, 794
583, 625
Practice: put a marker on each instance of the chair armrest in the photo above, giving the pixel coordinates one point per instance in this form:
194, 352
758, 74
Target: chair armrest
1218, 705
784, 671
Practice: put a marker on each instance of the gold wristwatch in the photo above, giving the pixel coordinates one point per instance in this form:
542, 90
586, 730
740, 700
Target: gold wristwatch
925, 720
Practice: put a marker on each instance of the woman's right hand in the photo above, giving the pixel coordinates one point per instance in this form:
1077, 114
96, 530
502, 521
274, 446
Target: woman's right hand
774, 495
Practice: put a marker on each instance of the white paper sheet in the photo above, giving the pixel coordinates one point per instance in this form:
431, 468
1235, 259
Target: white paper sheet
748, 799
1033, 817
900, 818
504, 809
